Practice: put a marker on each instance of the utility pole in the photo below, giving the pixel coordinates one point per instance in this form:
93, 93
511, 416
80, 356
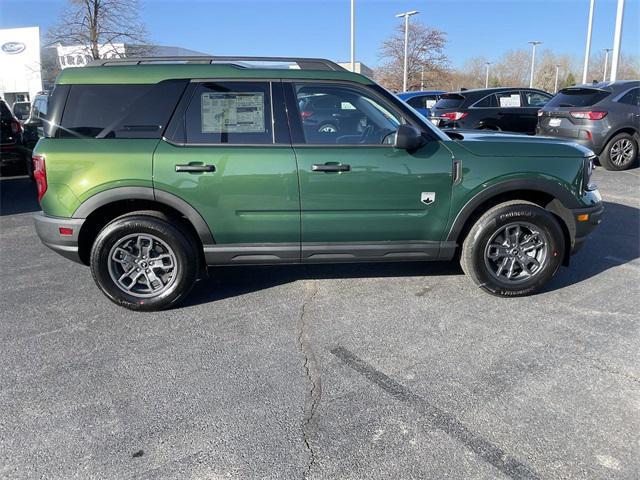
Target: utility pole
555, 89
534, 43
486, 80
617, 36
422, 77
587, 48
406, 16
353, 35
606, 60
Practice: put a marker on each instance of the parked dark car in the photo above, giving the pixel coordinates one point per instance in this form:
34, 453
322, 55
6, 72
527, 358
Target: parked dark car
423, 100
326, 114
604, 117
33, 126
13, 154
501, 109
21, 110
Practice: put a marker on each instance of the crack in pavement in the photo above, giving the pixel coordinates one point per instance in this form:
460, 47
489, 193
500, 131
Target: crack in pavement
312, 373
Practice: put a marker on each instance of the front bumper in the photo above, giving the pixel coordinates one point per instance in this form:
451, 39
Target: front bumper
586, 220
48, 229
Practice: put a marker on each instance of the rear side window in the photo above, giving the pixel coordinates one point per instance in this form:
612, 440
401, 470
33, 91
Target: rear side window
535, 99
230, 113
450, 100
509, 99
632, 97
577, 97
119, 111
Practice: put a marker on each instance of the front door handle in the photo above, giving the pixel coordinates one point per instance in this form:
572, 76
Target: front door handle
195, 168
330, 167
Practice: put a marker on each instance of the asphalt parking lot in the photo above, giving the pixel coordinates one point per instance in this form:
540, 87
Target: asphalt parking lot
324, 372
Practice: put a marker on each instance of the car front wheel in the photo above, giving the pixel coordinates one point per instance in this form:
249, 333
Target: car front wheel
142, 262
514, 249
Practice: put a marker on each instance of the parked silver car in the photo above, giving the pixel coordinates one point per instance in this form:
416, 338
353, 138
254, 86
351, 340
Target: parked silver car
604, 117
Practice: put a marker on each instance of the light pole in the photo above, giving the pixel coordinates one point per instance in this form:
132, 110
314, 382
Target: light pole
587, 48
353, 35
486, 80
534, 43
406, 16
555, 89
615, 59
606, 60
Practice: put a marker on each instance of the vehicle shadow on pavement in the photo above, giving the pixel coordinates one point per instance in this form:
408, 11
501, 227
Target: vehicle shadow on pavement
615, 242
226, 282
17, 195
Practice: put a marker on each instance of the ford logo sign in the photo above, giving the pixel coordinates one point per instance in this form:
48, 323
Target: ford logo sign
13, 47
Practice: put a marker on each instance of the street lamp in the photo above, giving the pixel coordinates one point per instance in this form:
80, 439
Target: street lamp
606, 60
587, 48
534, 43
486, 80
353, 36
617, 35
406, 16
555, 89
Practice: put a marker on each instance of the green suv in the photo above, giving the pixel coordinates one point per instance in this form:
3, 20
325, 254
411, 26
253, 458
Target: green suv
153, 169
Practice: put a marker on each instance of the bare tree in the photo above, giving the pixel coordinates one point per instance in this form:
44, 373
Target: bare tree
426, 60
98, 25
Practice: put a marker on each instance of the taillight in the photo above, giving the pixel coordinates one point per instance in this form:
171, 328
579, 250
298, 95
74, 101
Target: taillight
40, 175
306, 114
455, 116
16, 127
589, 115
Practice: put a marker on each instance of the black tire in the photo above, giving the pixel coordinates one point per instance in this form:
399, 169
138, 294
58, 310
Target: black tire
609, 163
475, 260
159, 227
490, 127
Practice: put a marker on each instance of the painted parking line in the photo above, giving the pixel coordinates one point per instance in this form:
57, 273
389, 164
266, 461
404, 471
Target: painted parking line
439, 419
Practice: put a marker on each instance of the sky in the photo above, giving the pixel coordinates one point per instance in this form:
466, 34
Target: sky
320, 28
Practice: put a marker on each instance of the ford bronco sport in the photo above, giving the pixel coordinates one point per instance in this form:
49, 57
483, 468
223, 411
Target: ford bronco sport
153, 169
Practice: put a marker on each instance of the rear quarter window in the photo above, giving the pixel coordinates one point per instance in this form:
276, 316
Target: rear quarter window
577, 97
449, 101
119, 111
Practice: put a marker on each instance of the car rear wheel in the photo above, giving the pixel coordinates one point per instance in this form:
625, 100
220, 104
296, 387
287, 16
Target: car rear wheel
620, 153
142, 262
514, 249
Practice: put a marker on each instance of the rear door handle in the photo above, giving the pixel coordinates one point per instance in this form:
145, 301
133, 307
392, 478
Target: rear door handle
330, 167
195, 168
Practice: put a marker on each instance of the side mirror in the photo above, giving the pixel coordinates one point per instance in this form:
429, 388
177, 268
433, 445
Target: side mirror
408, 138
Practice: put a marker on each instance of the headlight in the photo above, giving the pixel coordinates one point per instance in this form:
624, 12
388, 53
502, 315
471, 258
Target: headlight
587, 170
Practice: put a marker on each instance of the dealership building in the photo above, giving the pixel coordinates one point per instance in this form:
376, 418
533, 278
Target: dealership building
20, 65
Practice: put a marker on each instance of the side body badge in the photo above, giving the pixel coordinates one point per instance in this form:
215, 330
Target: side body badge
428, 197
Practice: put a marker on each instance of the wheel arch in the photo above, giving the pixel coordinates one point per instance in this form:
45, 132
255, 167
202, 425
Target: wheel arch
102, 208
546, 194
630, 130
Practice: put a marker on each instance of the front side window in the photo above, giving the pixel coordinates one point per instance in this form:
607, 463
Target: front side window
535, 99
365, 121
230, 113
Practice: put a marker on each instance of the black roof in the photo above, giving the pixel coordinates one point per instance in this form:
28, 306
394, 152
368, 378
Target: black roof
486, 91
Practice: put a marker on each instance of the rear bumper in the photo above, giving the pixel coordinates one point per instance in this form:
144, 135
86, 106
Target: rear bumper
48, 229
584, 227
596, 143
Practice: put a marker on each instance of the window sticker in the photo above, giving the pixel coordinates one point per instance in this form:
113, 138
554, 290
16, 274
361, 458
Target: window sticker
232, 112
512, 100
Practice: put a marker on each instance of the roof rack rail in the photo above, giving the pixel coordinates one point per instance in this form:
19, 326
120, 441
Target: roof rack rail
303, 63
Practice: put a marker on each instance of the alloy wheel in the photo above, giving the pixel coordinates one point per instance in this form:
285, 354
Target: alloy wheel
622, 152
142, 265
516, 252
